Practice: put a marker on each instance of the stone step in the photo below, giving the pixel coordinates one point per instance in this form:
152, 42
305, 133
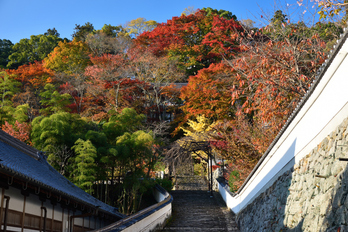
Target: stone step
195, 210
190, 182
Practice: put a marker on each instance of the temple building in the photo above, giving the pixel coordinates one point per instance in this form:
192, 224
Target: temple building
35, 197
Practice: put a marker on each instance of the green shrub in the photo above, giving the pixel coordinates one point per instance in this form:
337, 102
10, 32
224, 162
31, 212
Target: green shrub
234, 176
165, 183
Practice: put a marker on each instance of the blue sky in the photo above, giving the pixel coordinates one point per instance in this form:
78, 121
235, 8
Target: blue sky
22, 18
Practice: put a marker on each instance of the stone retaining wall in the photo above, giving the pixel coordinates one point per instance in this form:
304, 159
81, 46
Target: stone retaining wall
310, 197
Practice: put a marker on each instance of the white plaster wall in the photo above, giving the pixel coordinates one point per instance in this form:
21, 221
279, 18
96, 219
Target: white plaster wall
16, 199
322, 113
152, 221
156, 219
58, 212
159, 196
33, 205
49, 209
78, 221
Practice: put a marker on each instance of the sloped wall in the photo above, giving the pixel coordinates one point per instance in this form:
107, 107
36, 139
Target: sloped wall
312, 196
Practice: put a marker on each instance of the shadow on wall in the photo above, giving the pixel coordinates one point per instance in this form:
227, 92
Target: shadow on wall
312, 196
322, 188
329, 210
267, 211
337, 210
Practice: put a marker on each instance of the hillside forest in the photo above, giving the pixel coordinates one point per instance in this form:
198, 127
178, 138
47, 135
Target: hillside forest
107, 105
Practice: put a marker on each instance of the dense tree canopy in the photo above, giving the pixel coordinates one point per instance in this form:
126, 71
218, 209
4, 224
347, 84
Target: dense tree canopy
81, 32
196, 39
30, 50
138, 26
5, 52
69, 57
103, 105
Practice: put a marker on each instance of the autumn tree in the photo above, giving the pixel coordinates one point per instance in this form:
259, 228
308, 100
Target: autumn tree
208, 93
138, 26
106, 43
195, 40
112, 85
271, 75
274, 75
247, 23
20, 131
33, 74
158, 73
330, 8
14, 120
68, 57
189, 10
251, 94
198, 129
33, 77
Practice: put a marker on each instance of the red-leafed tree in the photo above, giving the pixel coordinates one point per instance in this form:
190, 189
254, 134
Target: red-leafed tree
270, 77
110, 82
157, 73
274, 76
197, 40
20, 131
34, 74
208, 93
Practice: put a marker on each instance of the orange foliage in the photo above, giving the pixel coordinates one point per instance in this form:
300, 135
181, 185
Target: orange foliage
34, 73
273, 78
197, 40
20, 131
208, 93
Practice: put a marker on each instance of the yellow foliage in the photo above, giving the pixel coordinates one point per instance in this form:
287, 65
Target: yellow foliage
137, 26
198, 128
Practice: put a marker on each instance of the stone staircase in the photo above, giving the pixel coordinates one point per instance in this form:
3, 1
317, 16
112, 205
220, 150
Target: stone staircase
190, 182
195, 210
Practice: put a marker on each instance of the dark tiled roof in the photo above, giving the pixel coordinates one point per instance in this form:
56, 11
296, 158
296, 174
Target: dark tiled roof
21, 160
180, 85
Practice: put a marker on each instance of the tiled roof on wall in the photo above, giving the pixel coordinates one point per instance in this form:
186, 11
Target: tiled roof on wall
331, 56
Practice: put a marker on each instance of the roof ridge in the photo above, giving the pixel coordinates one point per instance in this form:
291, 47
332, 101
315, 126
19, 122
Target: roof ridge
16, 143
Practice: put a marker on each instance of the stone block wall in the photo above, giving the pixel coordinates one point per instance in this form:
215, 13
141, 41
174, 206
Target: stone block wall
312, 196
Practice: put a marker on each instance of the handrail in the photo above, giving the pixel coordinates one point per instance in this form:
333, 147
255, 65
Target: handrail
132, 219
